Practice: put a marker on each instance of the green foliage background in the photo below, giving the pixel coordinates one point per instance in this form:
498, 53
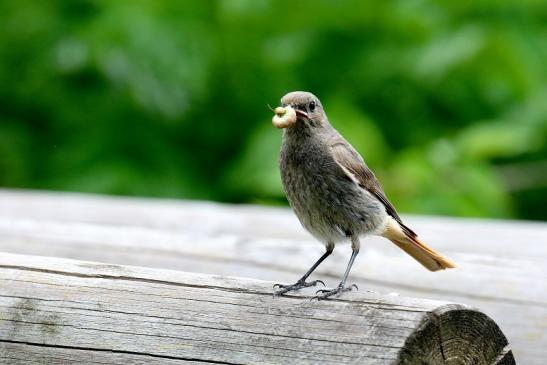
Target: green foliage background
447, 100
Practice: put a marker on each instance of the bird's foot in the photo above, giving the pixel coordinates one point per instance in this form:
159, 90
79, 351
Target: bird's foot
296, 286
325, 293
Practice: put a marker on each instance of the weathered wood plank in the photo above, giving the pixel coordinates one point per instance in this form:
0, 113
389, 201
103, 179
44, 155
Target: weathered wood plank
32, 354
502, 265
62, 309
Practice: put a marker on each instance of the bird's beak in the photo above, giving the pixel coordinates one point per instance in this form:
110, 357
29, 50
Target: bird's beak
301, 114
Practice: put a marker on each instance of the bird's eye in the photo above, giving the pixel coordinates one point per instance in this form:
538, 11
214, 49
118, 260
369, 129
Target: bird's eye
312, 106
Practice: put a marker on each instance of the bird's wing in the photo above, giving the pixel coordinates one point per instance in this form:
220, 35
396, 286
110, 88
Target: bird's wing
356, 169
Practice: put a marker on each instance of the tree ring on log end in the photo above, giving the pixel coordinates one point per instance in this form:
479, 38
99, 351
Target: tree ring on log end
455, 334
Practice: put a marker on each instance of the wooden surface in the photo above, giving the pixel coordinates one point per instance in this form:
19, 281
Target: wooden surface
67, 311
502, 264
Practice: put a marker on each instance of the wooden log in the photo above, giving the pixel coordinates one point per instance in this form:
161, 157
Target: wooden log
64, 311
502, 264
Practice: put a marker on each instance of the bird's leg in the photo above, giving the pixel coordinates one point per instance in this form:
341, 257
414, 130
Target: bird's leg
302, 283
325, 293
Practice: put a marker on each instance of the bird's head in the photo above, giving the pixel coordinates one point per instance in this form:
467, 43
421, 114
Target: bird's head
299, 108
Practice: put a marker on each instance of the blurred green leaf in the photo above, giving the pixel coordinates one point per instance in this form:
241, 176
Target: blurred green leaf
445, 100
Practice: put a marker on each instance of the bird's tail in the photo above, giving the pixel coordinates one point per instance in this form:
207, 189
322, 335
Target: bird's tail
411, 244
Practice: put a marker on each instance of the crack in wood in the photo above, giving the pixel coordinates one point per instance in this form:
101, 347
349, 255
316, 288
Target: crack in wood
177, 320
218, 329
378, 304
120, 352
502, 356
438, 323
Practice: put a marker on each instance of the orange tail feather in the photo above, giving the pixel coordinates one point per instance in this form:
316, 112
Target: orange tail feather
413, 246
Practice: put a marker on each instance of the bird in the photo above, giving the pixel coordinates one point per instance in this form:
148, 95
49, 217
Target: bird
334, 194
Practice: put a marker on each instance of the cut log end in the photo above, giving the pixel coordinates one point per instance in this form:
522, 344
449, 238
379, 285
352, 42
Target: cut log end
456, 334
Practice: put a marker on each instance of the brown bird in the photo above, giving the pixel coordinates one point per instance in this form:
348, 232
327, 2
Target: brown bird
334, 194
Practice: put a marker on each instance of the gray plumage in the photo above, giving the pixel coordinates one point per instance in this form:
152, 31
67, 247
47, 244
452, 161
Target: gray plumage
334, 194
327, 203
326, 199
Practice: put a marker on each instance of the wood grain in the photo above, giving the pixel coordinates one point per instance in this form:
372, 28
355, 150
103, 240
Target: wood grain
502, 264
67, 311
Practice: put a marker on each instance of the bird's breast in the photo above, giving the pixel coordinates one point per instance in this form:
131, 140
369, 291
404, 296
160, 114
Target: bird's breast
327, 203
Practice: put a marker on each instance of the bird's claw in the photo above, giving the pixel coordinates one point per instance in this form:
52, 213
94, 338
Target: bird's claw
319, 281
296, 286
326, 293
